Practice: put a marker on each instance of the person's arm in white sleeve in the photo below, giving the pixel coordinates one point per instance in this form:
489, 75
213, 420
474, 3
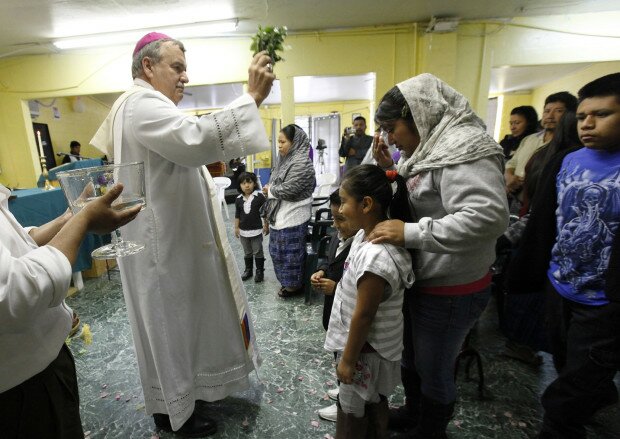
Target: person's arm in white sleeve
236, 131
194, 141
40, 278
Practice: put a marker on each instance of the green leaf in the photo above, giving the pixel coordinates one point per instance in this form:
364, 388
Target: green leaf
270, 39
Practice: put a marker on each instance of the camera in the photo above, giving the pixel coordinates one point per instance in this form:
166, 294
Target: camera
321, 145
350, 131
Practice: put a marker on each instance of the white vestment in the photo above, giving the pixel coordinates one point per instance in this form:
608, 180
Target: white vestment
189, 315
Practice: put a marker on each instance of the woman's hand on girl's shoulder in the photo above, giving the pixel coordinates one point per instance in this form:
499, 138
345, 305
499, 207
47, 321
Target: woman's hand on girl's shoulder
390, 232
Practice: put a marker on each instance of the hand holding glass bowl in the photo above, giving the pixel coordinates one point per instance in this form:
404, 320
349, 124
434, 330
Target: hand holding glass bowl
84, 185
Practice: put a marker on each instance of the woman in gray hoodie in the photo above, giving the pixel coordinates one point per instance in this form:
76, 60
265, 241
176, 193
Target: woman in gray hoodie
454, 174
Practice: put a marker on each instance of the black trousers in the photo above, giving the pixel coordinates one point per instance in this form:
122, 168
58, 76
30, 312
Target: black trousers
585, 343
45, 406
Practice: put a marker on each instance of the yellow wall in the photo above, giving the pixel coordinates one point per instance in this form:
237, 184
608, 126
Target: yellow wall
392, 52
463, 59
573, 82
73, 125
536, 98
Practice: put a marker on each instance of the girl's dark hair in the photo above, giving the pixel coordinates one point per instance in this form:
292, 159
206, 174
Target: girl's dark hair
371, 181
393, 106
531, 118
245, 176
334, 198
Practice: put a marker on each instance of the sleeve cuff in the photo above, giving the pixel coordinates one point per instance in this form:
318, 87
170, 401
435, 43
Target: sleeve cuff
251, 137
413, 235
242, 100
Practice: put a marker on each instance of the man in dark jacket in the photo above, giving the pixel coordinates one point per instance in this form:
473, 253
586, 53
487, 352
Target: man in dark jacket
569, 249
355, 142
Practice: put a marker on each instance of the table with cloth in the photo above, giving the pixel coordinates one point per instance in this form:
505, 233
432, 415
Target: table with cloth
35, 207
80, 164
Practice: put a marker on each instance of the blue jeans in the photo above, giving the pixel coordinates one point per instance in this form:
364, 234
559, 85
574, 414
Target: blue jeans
436, 327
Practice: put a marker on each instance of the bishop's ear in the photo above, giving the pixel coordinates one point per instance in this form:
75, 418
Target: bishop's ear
147, 67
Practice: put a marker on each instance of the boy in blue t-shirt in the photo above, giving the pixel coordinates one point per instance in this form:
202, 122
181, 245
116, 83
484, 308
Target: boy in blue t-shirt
572, 234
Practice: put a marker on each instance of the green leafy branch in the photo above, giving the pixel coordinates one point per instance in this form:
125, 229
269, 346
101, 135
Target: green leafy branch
270, 39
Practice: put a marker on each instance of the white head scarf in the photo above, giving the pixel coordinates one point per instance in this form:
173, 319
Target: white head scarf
450, 132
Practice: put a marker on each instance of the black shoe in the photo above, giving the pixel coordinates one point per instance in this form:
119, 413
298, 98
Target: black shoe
196, 426
402, 418
284, 293
434, 418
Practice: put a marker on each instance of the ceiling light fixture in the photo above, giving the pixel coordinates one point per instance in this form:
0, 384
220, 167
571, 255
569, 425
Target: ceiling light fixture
190, 30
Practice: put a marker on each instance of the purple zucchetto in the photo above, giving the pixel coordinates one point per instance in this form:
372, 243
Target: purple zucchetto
149, 38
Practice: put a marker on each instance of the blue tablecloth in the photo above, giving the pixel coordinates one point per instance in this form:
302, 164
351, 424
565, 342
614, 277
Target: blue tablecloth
68, 167
35, 207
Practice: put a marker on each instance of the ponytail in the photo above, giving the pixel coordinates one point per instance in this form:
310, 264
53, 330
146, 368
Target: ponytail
371, 181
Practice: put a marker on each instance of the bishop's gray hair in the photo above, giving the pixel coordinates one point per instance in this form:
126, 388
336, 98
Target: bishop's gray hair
152, 51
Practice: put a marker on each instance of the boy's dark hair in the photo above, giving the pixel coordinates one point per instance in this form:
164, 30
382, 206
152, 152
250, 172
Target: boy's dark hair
531, 118
362, 118
608, 85
74, 143
334, 198
245, 176
569, 101
394, 106
371, 181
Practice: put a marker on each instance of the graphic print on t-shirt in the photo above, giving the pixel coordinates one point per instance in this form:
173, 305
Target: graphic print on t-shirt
588, 215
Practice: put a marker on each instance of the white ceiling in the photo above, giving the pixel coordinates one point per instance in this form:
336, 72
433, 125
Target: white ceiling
521, 78
28, 26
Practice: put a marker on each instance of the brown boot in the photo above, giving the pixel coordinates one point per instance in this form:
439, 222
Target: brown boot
378, 415
349, 426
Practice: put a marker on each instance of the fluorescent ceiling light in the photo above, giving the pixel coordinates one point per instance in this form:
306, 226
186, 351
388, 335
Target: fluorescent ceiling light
190, 30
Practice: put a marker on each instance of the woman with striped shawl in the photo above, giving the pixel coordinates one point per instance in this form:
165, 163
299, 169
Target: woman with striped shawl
289, 207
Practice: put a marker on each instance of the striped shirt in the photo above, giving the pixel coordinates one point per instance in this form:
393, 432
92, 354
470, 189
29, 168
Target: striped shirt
391, 263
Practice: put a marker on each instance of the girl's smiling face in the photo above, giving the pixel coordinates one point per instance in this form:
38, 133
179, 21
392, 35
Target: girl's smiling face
340, 222
350, 209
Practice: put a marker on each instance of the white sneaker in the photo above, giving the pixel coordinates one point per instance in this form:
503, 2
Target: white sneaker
333, 394
329, 413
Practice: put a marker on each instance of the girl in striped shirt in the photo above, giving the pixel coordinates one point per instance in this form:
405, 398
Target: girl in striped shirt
366, 323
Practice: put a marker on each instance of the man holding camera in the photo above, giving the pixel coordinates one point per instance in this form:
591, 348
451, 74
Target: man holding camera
354, 143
